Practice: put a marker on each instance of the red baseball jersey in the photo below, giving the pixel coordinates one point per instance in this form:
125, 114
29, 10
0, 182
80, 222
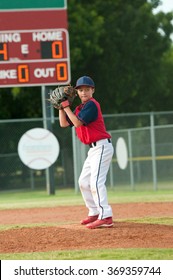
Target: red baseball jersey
93, 128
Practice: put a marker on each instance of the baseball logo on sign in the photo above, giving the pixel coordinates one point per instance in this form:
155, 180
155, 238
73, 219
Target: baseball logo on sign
121, 153
38, 148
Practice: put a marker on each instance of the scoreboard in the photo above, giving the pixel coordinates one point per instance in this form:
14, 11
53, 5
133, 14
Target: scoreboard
34, 57
34, 43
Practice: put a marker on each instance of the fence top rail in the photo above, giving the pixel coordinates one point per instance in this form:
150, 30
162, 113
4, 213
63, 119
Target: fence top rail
129, 129
21, 120
138, 114
141, 128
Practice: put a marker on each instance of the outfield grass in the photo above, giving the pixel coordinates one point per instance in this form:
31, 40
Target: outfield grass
29, 199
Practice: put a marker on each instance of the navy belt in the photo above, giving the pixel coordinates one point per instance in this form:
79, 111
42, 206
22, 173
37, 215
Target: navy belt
94, 144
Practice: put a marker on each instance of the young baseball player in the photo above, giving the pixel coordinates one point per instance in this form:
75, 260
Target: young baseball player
90, 129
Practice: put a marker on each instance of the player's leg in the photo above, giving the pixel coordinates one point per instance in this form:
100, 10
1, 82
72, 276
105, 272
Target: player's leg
84, 184
100, 160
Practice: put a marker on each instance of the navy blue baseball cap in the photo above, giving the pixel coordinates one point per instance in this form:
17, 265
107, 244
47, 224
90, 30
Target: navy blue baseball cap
85, 81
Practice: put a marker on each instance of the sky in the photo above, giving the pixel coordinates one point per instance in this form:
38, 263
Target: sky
166, 6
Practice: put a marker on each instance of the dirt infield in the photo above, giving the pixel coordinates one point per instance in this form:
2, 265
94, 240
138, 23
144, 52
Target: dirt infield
67, 233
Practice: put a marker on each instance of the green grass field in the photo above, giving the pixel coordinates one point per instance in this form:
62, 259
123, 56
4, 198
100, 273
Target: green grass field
29, 199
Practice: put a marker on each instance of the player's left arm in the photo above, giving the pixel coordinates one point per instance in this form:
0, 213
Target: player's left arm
89, 113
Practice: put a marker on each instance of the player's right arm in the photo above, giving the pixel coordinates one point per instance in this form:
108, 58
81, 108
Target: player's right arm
62, 119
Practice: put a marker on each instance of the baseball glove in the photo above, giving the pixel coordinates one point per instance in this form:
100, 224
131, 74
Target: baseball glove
60, 94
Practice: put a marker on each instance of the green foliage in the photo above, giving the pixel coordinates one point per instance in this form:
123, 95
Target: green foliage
85, 29
20, 103
130, 66
167, 74
125, 46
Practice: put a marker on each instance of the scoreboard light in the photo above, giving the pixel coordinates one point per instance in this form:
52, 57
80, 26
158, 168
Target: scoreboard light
34, 57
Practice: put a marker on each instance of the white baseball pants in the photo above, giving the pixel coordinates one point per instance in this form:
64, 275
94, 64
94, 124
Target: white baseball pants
93, 177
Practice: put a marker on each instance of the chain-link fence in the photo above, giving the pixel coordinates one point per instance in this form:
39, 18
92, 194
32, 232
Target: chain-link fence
15, 175
149, 140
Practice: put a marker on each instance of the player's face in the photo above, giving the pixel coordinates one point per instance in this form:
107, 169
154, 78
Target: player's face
85, 93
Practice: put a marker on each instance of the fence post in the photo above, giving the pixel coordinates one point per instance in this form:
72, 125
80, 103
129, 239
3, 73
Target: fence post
47, 124
130, 159
153, 151
75, 160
